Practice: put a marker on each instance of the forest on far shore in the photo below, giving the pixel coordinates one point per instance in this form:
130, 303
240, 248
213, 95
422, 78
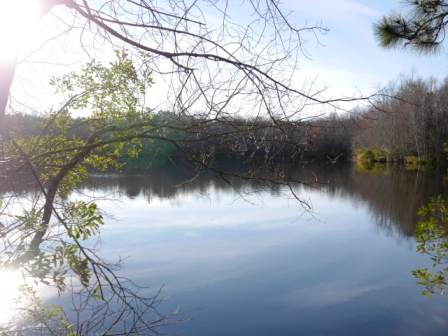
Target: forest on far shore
407, 122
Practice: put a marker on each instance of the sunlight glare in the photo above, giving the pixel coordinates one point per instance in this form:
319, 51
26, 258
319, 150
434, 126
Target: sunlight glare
16, 25
9, 290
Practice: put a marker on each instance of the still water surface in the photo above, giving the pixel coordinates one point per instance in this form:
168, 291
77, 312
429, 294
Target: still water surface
259, 266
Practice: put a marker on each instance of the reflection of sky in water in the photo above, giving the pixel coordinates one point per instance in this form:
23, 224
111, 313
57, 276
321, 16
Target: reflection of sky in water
262, 270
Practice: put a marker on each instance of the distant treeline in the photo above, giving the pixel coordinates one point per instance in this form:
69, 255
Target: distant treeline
325, 138
407, 122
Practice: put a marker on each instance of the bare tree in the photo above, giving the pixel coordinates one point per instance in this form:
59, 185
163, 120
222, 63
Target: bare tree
414, 124
216, 65
232, 89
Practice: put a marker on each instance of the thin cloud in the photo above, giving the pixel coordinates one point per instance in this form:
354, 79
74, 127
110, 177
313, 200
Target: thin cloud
342, 10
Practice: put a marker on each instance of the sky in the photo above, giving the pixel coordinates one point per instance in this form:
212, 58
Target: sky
347, 59
351, 57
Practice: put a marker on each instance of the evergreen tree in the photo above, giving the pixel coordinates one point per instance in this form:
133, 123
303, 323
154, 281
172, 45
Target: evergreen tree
419, 26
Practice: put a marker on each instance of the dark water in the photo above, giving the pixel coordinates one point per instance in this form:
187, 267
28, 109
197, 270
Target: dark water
258, 265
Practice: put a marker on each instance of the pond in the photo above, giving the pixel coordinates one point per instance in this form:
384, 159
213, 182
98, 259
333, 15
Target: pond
257, 264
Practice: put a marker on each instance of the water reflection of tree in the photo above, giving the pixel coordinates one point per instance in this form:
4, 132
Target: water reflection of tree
392, 193
176, 177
